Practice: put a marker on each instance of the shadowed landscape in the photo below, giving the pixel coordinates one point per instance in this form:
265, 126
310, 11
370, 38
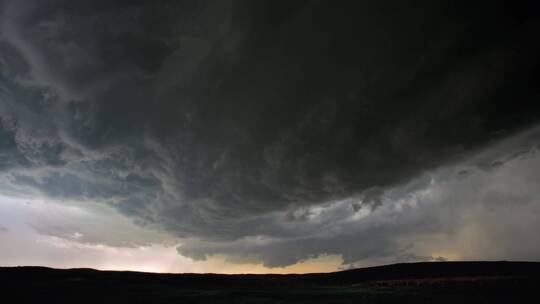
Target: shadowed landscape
431, 282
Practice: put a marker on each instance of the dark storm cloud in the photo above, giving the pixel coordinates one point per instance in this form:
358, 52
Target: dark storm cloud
208, 118
438, 212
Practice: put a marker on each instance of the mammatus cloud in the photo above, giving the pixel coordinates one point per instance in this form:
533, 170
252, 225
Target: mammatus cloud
268, 131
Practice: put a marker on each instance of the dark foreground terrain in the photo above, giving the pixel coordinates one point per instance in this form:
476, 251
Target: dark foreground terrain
439, 282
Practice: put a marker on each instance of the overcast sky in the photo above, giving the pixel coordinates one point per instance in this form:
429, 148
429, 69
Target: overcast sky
268, 136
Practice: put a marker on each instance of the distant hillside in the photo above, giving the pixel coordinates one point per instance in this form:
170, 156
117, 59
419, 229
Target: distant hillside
434, 282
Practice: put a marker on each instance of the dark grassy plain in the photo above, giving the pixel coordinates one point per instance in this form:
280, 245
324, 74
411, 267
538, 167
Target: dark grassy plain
437, 282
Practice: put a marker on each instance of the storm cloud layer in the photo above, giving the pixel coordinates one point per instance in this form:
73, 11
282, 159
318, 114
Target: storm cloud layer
268, 130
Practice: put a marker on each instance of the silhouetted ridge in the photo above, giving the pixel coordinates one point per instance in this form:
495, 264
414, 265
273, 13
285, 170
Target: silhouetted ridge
433, 282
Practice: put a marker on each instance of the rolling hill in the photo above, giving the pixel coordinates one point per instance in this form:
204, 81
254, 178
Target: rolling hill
432, 282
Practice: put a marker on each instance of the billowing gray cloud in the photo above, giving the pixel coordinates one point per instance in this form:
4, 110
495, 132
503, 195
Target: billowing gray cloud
413, 220
263, 130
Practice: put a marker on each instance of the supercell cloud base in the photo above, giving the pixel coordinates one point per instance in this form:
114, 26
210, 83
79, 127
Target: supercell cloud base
267, 136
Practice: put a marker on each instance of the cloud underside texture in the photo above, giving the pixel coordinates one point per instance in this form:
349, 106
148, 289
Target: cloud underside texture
230, 123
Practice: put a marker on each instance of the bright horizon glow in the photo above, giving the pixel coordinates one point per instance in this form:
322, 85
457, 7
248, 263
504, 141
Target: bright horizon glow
23, 244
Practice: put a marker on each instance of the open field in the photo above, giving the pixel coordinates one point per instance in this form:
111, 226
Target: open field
440, 282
